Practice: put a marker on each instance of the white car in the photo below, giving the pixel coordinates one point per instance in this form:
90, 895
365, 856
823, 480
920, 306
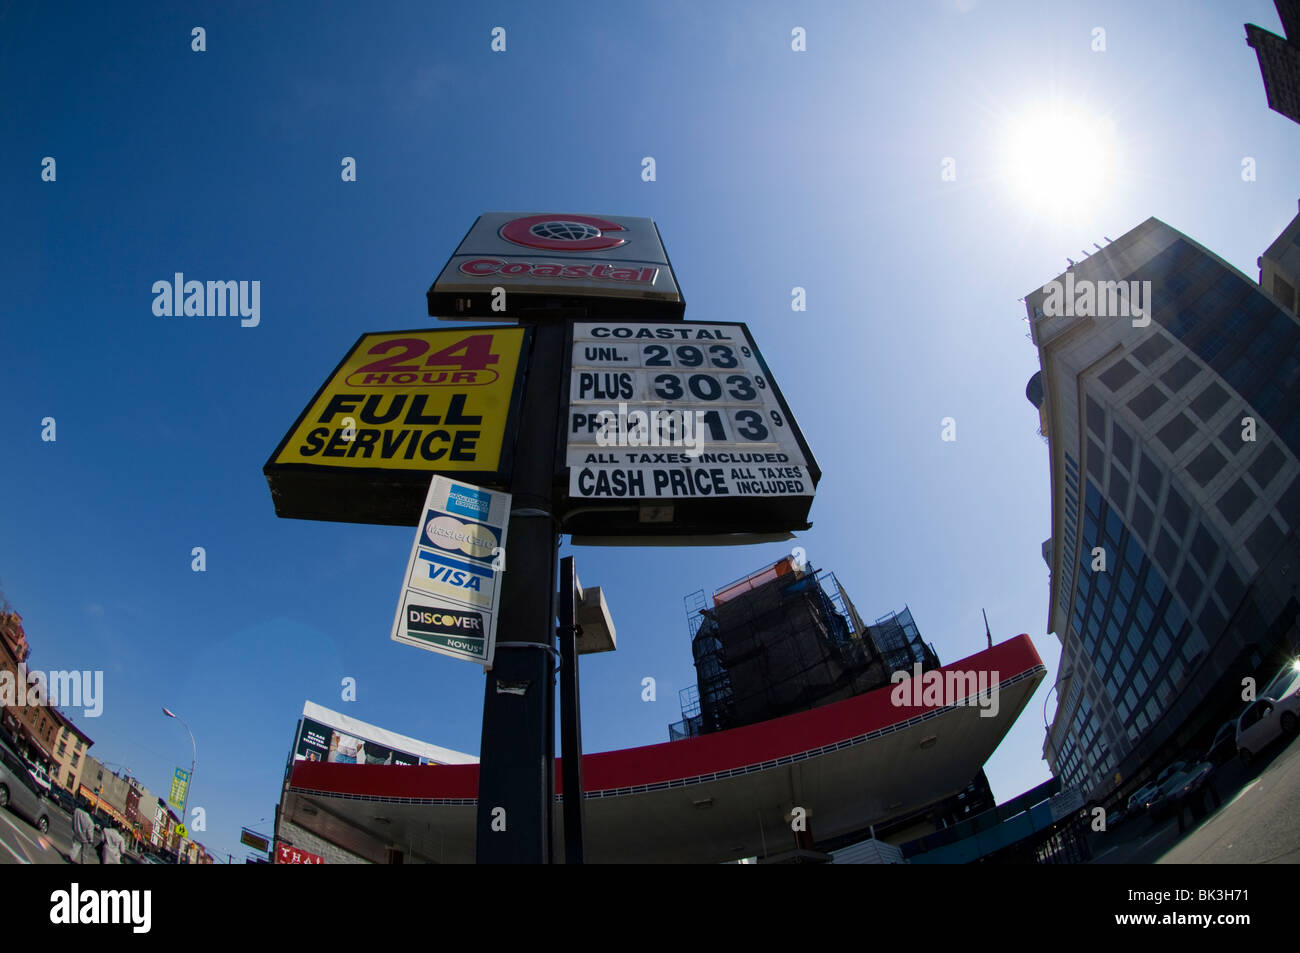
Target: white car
1275, 712
40, 777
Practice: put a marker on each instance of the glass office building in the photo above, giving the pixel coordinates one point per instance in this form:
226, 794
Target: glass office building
1279, 59
1171, 406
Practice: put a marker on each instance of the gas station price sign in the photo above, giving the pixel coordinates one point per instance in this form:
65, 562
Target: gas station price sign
685, 413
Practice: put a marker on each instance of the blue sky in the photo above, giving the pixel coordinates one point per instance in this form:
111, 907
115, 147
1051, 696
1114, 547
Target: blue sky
775, 169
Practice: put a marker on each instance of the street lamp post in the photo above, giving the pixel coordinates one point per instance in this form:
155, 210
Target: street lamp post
1061, 680
193, 764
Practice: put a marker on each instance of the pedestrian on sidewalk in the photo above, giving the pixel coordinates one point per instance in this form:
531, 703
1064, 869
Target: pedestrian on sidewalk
83, 838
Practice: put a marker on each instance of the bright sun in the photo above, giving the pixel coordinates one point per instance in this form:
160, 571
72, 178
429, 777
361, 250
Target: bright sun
1060, 162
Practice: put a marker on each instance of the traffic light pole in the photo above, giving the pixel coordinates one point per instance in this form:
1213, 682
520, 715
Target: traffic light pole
516, 788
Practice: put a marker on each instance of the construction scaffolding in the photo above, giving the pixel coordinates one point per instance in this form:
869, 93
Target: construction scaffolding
784, 639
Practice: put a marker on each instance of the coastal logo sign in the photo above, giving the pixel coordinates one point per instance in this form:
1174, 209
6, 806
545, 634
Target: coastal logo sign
612, 267
569, 233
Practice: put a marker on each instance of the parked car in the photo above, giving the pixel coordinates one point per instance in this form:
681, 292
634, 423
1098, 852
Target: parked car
1141, 798
20, 793
64, 799
1276, 711
40, 776
1224, 746
1177, 782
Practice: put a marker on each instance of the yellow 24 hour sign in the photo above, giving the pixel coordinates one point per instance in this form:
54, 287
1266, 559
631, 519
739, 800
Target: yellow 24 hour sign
401, 406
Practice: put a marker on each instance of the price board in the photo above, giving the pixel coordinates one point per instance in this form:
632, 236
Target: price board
680, 429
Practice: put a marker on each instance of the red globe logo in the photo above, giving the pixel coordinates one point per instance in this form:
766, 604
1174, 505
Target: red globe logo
568, 233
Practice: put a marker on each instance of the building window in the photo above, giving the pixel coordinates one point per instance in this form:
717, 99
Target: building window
1230, 436
1267, 465
1096, 417
1177, 432
1166, 552
1119, 374
1210, 401
1153, 710
1151, 349
1263, 543
1096, 460
1149, 478
1150, 665
1181, 374
1148, 402
1234, 503
1118, 488
1176, 512
1140, 682
1122, 446
1205, 466
1204, 550
75, 758
1194, 645
1176, 670
1143, 519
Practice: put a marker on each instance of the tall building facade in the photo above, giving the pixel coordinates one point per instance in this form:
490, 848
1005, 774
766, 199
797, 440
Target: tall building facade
1279, 59
1279, 268
1172, 411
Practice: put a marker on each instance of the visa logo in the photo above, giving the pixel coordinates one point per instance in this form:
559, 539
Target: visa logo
455, 577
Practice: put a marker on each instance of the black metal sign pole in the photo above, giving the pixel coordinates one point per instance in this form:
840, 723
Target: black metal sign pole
570, 716
516, 788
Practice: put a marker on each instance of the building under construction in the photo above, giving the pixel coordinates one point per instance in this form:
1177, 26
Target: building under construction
787, 638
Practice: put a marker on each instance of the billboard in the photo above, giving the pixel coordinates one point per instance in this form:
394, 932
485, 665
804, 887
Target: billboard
679, 429
400, 406
254, 840
452, 590
606, 265
180, 787
325, 735
319, 742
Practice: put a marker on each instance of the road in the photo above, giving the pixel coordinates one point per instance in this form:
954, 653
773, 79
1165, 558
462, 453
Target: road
21, 843
1254, 824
